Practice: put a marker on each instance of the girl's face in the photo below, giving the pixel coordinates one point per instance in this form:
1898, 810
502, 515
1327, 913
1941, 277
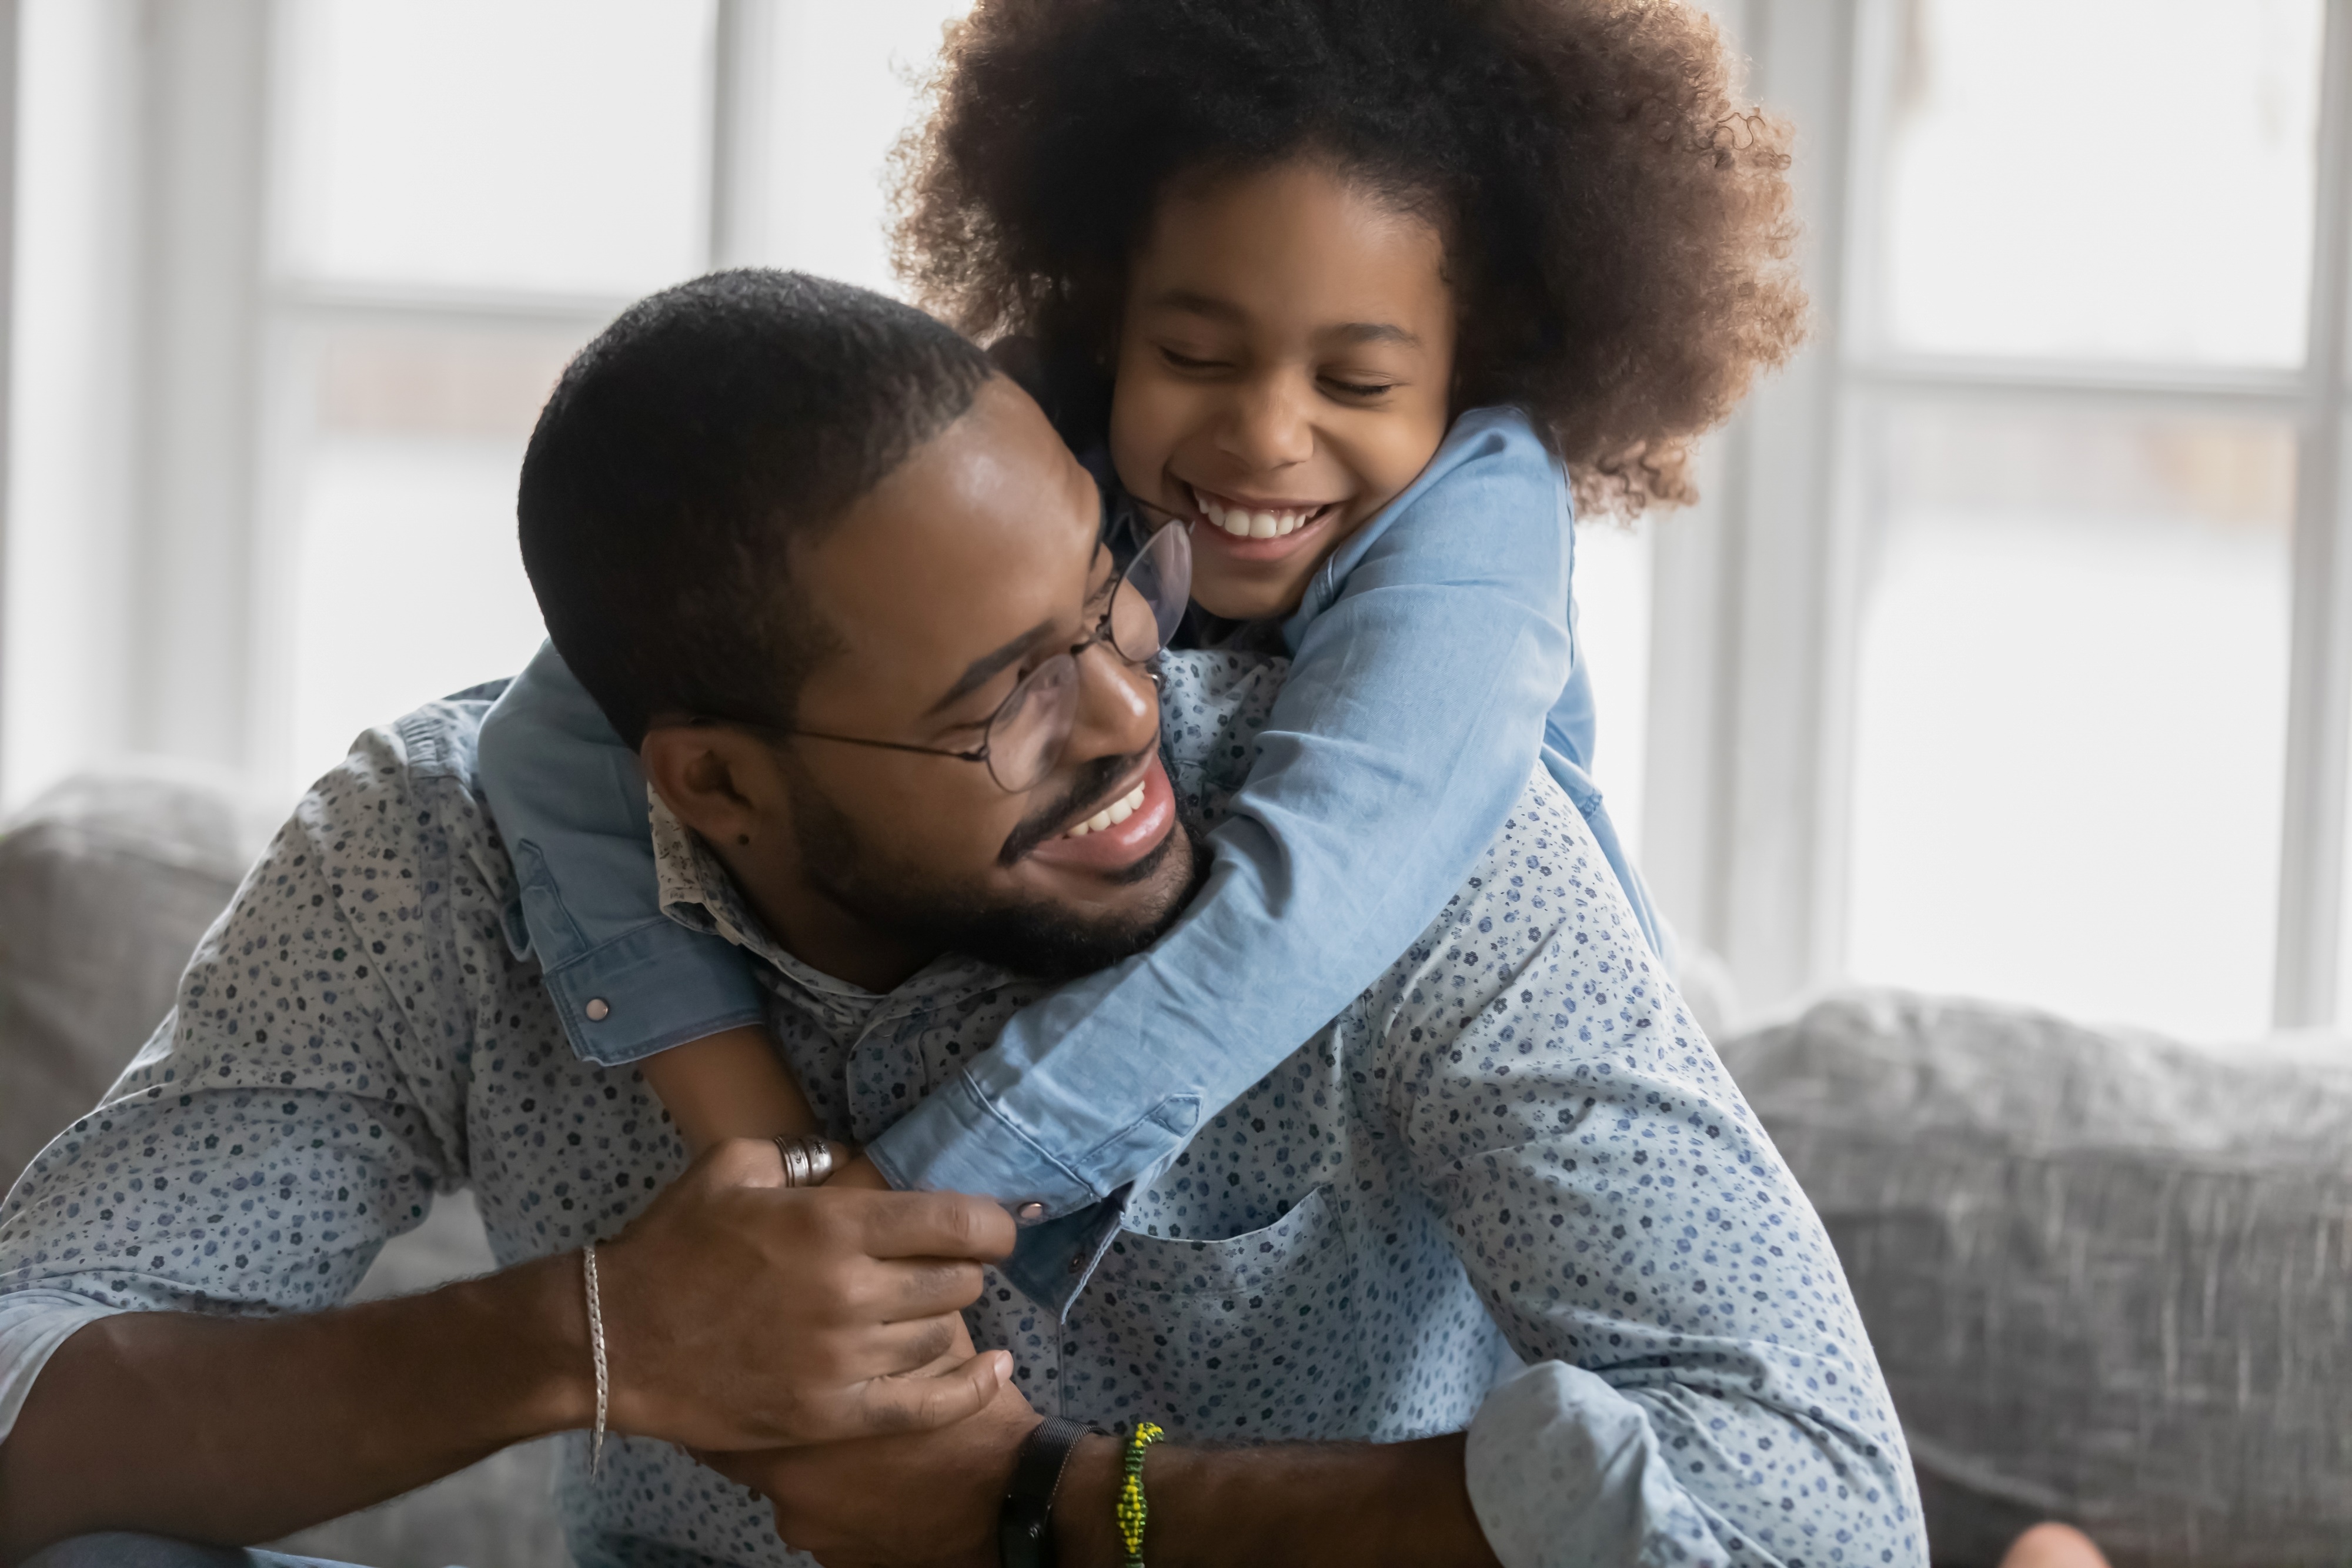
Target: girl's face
1283, 365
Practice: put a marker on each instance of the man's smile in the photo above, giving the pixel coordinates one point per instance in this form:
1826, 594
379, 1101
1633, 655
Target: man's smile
1117, 828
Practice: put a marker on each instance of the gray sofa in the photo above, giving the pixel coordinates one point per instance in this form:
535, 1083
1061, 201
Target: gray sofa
2109, 1277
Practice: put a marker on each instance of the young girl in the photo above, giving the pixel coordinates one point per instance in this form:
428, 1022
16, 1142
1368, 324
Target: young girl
1354, 291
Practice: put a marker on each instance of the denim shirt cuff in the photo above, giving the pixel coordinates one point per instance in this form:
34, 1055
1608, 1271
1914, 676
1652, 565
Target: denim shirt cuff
656, 986
958, 1141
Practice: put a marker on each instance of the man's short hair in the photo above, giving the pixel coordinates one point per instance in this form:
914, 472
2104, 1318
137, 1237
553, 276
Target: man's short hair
683, 452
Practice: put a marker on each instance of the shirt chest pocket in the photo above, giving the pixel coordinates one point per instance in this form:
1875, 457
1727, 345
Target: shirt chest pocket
1251, 1338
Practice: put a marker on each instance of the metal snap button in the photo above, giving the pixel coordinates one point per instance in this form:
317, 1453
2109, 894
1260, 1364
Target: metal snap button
1030, 1212
597, 1010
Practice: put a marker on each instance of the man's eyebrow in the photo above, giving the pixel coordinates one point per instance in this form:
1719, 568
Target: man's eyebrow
986, 668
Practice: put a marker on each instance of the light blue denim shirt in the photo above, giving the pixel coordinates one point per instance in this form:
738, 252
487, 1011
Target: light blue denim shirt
1436, 663
1514, 1138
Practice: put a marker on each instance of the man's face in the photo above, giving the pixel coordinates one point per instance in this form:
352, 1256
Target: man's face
956, 578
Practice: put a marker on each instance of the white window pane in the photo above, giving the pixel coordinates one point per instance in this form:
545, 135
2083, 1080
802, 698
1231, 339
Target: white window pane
2071, 715
1613, 626
387, 380
2128, 179
527, 144
409, 584
842, 92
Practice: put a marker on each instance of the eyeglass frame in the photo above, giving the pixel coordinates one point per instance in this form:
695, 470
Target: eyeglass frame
1101, 635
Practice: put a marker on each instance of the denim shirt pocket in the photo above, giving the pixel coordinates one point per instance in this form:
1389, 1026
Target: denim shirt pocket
1251, 1338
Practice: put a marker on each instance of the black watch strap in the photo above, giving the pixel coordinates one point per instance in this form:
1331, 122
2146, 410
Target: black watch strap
1024, 1524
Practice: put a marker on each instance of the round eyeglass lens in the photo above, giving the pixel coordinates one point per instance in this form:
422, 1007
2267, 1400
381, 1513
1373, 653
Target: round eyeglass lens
1026, 736
1150, 600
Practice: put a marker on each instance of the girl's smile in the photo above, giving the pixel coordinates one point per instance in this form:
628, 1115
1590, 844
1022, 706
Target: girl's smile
1284, 364
1258, 528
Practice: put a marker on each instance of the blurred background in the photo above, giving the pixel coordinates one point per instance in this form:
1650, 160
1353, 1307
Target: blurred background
2011, 653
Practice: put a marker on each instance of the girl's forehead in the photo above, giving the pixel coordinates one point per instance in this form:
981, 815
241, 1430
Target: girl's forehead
1299, 237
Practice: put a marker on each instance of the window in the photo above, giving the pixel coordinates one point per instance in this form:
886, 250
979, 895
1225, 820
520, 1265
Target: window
2071, 710
2010, 653
297, 278
464, 193
2019, 620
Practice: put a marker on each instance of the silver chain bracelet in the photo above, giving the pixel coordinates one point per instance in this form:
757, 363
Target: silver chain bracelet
597, 1350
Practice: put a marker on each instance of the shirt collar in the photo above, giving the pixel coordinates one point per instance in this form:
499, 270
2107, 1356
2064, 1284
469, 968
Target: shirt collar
698, 892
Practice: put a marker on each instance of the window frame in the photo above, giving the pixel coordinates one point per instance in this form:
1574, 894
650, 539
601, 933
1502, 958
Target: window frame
217, 411
1759, 592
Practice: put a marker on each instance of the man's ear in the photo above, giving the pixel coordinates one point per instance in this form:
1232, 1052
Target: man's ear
723, 783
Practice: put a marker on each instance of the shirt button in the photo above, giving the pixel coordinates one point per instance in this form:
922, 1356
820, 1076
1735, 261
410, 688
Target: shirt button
1030, 1212
597, 1010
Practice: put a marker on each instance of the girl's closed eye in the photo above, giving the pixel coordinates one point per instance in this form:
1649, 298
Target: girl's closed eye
1177, 360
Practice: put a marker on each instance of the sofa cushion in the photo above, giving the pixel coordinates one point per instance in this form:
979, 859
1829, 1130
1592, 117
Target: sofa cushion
2108, 1276
106, 883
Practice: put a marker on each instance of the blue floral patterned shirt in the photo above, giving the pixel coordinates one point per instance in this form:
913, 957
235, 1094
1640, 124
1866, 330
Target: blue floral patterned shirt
1509, 1187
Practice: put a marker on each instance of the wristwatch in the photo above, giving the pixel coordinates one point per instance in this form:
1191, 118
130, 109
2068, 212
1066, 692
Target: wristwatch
1024, 1523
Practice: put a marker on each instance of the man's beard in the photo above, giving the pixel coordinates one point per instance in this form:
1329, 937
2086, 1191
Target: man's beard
1030, 936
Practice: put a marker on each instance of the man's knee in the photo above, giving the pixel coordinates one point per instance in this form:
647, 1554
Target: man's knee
125, 1548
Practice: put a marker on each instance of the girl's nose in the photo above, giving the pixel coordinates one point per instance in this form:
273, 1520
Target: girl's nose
1267, 427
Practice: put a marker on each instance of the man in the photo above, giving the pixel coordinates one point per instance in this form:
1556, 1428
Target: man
760, 507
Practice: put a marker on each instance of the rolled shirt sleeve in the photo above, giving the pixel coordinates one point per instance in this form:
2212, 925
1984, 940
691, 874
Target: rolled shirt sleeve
33, 1324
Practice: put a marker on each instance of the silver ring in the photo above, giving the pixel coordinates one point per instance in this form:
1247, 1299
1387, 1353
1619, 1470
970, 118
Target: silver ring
819, 1156
795, 1160
808, 1159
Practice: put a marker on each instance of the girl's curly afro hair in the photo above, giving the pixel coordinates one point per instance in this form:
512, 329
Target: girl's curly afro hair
1616, 218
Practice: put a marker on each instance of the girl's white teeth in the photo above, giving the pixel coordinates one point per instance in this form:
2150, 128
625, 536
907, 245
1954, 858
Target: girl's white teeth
1110, 816
1243, 524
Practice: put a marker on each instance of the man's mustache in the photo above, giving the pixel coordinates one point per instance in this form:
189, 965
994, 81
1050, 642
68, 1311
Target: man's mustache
1093, 782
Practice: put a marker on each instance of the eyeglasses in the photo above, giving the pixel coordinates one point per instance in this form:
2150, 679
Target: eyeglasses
1031, 728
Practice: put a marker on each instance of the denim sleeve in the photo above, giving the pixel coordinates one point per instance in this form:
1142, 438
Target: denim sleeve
570, 802
1426, 657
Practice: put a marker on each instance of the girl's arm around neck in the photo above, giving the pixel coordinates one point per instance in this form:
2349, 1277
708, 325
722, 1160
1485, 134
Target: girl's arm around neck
1413, 717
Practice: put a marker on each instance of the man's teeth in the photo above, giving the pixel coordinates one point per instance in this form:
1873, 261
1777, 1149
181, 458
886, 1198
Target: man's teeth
1110, 816
1244, 524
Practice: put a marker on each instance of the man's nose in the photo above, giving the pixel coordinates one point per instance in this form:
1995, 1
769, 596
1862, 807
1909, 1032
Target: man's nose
1268, 426
1119, 707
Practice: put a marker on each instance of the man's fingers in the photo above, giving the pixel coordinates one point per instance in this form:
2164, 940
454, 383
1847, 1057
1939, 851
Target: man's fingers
923, 1402
937, 1225
904, 1288
913, 1348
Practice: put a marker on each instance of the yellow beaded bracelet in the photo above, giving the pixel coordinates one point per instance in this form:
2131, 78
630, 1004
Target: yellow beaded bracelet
1132, 1512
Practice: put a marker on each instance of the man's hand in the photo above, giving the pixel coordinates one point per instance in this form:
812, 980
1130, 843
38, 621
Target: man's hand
926, 1499
740, 1313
